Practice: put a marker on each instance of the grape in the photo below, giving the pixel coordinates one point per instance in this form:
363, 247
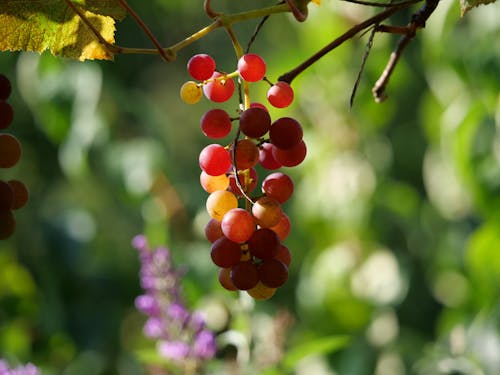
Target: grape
216, 123
258, 105
280, 95
225, 253
6, 196
7, 224
225, 279
284, 255
246, 155
248, 183
5, 87
279, 186
285, 133
201, 66
213, 230
191, 93
219, 202
264, 243
273, 273
244, 275
291, 157
255, 122
215, 160
213, 183
251, 67
6, 114
261, 292
238, 225
267, 212
219, 90
10, 150
282, 229
266, 157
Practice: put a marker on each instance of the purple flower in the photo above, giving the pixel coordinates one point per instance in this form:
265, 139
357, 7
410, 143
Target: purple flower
176, 350
204, 345
28, 369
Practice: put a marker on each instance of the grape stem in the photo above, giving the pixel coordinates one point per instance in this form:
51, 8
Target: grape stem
236, 175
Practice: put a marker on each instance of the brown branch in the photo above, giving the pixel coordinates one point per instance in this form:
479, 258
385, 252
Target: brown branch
208, 9
418, 21
297, 13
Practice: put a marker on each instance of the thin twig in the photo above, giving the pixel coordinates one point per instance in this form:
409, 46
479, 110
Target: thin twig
256, 32
369, 45
208, 9
297, 13
382, 5
235, 169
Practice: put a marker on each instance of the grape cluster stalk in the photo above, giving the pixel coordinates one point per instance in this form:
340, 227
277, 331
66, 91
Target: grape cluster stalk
247, 226
13, 193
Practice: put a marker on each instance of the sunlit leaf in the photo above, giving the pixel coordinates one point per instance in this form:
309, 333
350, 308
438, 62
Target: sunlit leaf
466, 5
52, 25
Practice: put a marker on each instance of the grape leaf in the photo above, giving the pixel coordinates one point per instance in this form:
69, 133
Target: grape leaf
466, 5
29, 25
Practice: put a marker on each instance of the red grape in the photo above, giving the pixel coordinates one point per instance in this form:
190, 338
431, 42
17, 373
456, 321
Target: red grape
6, 114
219, 90
267, 212
285, 133
225, 279
215, 160
201, 66
255, 122
280, 95
266, 157
225, 253
238, 225
273, 273
6, 196
244, 275
247, 154
283, 227
264, 243
5, 87
279, 186
213, 230
291, 157
284, 255
216, 123
251, 67
10, 150
7, 224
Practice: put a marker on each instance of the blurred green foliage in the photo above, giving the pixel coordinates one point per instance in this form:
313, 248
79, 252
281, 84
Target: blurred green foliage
395, 216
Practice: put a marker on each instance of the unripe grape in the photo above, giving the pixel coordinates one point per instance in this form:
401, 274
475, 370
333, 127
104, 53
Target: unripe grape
225, 279
264, 243
267, 212
280, 95
10, 151
285, 133
255, 122
261, 292
212, 183
219, 202
216, 123
247, 154
273, 273
219, 90
213, 230
191, 93
279, 186
214, 160
251, 67
244, 275
266, 157
291, 157
225, 253
201, 66
238, 225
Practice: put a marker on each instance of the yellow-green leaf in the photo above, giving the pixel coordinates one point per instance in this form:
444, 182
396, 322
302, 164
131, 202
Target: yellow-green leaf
27, 25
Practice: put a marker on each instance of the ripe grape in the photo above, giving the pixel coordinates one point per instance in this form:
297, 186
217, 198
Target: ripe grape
212, 183
10, 150
238, 225
5, 87
285, 133
248, 180
261, 292
216, 123
258, 105
284, 255
283, 227
273, 273
225, 279
213, 230
266, 157
279, 186
191, 92
219, 89
6, 196
219, 202
225, 253
6, 114
267, 212
255, 122
201, 66
264, 243
280, 95
246, 154
244, 275
251, 67
7, 224
291, 157
214, 160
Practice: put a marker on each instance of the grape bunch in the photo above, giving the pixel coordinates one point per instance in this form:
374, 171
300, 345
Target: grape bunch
13, 193
247, 227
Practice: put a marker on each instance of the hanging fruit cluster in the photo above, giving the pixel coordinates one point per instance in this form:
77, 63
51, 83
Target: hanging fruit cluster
247, 227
